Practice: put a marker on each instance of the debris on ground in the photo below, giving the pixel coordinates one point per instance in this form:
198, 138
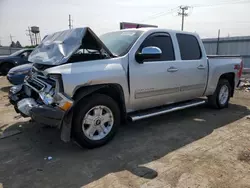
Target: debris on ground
244, 85
48, 158
17, 117
8, 104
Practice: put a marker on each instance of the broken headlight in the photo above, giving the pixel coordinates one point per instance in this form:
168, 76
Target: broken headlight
59, 98
58, 79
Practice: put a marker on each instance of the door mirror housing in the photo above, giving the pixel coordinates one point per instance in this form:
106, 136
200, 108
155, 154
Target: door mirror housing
150, 52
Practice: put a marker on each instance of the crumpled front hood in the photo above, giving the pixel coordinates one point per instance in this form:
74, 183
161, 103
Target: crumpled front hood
57, 48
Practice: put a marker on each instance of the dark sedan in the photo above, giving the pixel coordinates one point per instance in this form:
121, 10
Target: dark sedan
17, 58
17, 74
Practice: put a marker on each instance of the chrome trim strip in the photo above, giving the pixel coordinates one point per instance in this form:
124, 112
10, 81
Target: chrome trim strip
152, 93
144, 116
192, 87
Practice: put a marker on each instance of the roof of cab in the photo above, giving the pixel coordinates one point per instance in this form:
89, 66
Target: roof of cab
145, 29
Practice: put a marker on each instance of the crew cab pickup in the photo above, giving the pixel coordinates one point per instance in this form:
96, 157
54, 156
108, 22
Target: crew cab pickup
87, 85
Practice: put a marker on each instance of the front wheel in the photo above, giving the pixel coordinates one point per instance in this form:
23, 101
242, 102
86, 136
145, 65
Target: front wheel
96, 121
221, 96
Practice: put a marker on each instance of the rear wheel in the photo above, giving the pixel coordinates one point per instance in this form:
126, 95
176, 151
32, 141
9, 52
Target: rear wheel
221, 96
96, 121
5, 68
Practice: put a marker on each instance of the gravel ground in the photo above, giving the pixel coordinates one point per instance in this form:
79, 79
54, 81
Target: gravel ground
198, 147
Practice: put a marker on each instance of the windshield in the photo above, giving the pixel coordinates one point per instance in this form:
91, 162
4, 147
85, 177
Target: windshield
120, 42
17, 53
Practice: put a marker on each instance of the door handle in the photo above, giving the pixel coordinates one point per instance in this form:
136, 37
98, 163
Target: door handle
172, 69
200, 67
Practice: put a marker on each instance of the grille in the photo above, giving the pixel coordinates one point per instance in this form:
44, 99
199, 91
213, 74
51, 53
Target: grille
37, 81
35, 84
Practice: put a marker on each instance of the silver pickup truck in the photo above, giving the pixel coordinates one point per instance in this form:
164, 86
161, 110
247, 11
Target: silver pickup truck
87, 85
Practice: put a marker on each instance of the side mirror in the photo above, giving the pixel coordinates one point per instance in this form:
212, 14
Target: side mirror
150, 52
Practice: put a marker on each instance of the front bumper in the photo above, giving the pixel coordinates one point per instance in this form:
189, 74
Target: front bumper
47, 115
43, 114
26, 106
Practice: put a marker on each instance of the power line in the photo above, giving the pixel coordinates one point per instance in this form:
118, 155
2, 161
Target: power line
163, 13
221, 23
159, 14
223, 3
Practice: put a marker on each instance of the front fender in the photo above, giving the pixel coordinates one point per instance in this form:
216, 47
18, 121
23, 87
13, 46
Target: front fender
66, 123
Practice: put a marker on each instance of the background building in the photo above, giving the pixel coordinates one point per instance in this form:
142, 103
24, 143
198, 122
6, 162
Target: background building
229, 46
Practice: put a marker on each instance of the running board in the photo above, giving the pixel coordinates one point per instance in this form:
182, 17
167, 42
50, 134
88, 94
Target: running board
170, 108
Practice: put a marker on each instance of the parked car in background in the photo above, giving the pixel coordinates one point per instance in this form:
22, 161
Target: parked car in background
17, 74
129, 74
19, 57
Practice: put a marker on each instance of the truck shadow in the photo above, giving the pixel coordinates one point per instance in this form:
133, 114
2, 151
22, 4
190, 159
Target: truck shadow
135, 145
5, 89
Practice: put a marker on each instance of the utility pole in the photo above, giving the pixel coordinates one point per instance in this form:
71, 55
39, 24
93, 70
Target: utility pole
218, 43
70, 22
182, 13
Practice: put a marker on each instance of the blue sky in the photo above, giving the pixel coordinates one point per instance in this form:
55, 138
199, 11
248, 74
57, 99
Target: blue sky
102, 16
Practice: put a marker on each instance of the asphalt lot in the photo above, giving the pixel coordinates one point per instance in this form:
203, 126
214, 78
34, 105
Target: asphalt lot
198, 147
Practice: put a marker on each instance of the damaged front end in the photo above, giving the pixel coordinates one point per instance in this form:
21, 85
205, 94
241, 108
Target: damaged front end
41, 98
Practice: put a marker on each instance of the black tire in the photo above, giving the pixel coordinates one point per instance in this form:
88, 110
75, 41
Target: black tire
82, 108
214, 101
5, 68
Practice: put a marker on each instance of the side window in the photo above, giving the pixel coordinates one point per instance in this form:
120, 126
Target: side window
24, 54
163, 42
29, 52
189, 47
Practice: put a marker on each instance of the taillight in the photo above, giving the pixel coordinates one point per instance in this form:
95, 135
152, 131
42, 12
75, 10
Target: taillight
239, 68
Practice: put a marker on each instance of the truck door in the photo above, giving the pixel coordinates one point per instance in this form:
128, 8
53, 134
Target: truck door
192, 67
150, 82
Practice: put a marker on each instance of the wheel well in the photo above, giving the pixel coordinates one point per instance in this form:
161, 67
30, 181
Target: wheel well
114, 91
11, 64
230, 77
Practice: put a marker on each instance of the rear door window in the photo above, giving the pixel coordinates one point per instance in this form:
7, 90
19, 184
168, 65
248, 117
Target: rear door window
189, 47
